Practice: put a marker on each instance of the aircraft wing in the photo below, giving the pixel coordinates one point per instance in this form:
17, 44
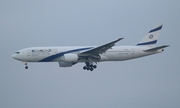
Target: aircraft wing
100, 49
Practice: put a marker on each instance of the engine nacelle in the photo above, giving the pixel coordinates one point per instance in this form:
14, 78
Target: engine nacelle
70, 58
65, 64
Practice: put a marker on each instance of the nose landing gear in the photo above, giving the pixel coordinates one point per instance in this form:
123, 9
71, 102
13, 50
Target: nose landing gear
26, 66
89, 66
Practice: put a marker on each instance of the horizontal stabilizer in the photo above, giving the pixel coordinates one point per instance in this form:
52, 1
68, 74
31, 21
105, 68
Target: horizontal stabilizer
156, 48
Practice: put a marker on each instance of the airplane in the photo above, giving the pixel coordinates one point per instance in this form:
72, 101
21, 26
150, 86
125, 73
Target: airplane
68, 56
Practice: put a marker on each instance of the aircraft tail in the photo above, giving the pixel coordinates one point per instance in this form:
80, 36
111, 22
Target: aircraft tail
151, 38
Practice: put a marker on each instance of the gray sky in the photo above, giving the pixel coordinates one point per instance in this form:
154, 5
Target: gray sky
149, 82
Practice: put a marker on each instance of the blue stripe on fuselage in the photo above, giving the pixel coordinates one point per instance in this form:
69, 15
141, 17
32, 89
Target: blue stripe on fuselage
52, 57
148, 43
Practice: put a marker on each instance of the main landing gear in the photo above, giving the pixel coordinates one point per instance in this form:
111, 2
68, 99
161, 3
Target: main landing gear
89, 66
26, 66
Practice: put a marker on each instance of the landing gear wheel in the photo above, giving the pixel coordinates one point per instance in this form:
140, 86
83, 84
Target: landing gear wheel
84, 67
91, 69
94, 66
89, 66
26, 67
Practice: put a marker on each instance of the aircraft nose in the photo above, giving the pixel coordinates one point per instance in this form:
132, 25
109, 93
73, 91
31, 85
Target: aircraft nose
14, 56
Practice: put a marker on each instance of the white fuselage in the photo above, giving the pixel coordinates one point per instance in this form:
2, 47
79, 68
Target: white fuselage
55, 54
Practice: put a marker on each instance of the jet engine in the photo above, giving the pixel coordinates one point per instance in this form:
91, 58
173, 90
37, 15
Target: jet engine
65, 64
70, 58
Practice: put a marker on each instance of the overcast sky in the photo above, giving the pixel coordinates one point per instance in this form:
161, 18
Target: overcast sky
149, 82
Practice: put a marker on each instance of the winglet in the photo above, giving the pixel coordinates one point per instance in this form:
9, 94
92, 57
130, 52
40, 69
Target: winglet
120, 39
113, 42
116, 40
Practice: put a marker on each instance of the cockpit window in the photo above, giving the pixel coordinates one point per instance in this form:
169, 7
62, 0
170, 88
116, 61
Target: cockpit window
17, 52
